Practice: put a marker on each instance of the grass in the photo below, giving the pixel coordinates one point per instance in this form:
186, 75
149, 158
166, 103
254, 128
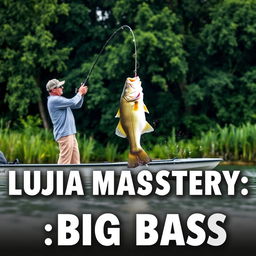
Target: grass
86, 148
35, 145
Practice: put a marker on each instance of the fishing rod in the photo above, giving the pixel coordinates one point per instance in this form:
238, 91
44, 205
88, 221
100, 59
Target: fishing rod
102, 49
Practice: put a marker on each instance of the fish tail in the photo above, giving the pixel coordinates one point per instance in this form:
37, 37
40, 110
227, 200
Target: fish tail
143, 157
133, 160
138, 158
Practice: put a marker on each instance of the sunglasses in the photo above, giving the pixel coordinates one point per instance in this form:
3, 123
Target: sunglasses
62, 87
58, 87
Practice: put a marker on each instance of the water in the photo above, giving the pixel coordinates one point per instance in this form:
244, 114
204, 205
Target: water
25, 217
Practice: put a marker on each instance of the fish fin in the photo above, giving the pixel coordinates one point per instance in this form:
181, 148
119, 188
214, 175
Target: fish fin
138, 158
146, 109
133, 160
120, 131
147, 128
117, 114
143, 157
136, 106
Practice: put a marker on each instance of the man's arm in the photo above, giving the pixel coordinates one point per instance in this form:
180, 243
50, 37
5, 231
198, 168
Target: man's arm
75, 102
79, 104
61, 102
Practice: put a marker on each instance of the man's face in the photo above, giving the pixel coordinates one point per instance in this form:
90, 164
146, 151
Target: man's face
57, 91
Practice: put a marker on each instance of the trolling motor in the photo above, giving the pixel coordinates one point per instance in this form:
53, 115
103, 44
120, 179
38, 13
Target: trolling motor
3, 160
102, 49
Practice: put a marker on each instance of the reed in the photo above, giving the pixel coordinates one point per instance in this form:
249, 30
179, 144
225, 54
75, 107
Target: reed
35, 145
111, 152
230, 142
86, 148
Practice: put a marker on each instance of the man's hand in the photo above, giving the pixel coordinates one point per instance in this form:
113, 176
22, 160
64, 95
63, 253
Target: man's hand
83, 89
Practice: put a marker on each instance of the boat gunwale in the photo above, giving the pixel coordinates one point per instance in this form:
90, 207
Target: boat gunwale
116, 164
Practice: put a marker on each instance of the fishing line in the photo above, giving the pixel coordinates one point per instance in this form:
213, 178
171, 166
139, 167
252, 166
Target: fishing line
102, 49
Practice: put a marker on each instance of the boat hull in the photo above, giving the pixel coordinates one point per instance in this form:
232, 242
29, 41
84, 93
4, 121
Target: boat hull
154, 166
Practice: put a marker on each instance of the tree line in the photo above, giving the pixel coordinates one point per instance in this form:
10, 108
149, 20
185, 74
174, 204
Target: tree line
196, 61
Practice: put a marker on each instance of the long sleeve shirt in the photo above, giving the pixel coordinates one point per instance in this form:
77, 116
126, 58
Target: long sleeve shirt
61, 114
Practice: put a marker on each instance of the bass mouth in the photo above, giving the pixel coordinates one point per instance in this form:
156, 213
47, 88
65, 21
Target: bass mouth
133, 99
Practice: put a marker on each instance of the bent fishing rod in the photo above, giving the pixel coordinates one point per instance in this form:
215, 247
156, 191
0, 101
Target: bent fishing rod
102, 49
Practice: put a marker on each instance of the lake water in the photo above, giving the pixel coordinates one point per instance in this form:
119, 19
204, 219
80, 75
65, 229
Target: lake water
22, 219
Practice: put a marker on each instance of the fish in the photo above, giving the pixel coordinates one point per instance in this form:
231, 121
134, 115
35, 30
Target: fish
132, 123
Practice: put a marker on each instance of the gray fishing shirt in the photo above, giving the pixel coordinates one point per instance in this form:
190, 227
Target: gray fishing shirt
61, 114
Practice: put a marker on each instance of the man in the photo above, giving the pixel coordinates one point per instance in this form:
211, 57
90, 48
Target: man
64, 128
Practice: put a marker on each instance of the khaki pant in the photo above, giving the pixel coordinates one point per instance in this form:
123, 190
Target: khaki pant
69, 152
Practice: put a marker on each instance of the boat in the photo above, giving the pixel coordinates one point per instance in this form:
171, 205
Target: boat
154, 166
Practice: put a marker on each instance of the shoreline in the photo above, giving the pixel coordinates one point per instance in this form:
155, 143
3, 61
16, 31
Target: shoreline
242, 163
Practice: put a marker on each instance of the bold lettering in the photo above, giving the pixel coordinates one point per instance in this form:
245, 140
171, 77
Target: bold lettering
179, 181
103, 186
125, 184
172, 221
36, 184
142, 229
64, 229
143, 178
194, 183
194, 228
113, 232
162, 182
74, 184
49, 184
87, 229
219, 231
231, 181
13, 191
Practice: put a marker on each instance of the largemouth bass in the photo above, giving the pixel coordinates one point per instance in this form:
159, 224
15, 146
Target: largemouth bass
133, 122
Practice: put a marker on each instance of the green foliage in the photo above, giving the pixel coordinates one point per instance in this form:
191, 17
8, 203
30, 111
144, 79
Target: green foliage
86, 148
28, 48
230, 143
28, 145
30, 124
111, 152
223, 89
197, 63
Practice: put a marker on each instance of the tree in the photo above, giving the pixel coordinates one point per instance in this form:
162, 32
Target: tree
28, 51
224, 91
196, 59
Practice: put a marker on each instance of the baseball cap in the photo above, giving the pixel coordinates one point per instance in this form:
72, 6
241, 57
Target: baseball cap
54, 83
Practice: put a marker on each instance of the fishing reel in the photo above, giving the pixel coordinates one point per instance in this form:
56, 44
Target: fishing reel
76, 89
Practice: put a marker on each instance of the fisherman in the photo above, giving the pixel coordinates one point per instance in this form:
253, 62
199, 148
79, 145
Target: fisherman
64, 128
